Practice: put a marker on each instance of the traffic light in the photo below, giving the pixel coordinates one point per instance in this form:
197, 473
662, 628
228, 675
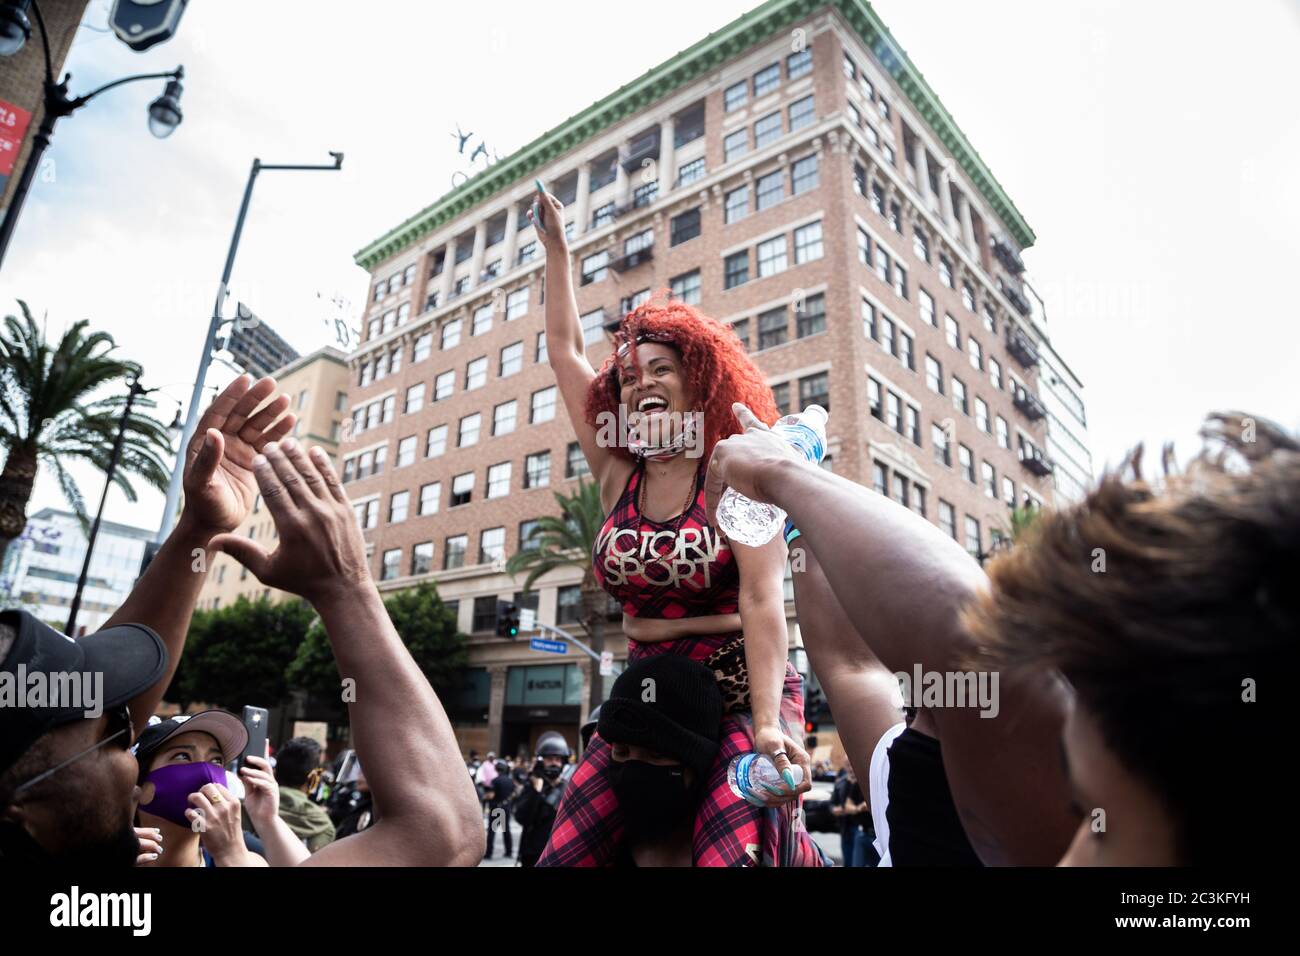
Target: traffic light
507, 620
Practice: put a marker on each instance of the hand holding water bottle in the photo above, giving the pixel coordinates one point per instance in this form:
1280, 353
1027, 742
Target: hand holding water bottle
740, 462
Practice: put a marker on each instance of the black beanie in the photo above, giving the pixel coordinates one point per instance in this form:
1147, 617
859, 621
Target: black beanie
681, 719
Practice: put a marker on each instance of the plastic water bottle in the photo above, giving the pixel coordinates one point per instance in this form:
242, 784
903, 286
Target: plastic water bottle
755, 523
751, 775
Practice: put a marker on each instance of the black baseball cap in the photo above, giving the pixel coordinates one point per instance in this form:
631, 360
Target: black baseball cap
129, 658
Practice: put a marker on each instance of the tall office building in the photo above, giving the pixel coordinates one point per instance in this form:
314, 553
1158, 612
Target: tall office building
42, 567
791, 174
317, 387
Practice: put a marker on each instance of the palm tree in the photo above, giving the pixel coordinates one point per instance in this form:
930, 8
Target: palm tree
564, 541
47, 417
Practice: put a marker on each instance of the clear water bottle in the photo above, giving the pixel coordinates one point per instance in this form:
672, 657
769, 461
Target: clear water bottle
755, 523
751, 775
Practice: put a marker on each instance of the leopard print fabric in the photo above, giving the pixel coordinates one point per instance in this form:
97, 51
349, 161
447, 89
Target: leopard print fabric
732, 674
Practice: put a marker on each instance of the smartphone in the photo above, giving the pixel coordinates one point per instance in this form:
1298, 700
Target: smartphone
537, 216
255, 721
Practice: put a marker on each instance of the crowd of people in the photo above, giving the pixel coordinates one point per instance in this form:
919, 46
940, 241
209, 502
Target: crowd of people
1130, 690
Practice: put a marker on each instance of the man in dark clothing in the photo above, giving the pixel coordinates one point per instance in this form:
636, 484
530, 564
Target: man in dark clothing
500, 793
536, 805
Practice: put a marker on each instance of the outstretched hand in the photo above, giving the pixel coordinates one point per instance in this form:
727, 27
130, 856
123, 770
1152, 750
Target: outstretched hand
741, 461
550, 232
218, 478
321, 553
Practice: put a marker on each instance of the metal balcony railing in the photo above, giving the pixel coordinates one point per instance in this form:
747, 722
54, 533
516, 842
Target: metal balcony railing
1030, 405
1021, 346
1035, 461
633, 259
640, 149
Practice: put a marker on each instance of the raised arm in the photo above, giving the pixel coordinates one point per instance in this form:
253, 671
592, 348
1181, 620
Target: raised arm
566, 349
430, 813
219, 491
904, 585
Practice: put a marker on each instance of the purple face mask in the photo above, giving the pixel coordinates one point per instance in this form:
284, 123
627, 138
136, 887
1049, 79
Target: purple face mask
173, 786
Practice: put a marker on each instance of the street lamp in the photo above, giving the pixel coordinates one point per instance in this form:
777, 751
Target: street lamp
244, 319
15, 28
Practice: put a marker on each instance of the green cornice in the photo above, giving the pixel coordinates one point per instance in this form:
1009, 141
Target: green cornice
709, 53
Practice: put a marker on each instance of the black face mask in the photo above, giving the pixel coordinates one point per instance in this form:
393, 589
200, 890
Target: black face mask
654, 798
552, 773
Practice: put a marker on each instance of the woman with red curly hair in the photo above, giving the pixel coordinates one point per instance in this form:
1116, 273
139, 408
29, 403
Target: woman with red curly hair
647, 423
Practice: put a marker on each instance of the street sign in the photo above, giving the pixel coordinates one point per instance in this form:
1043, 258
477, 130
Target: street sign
527, 619
606, 663
550, 647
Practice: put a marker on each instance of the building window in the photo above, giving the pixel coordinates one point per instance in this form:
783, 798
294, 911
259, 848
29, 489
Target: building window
503, 417
482, 319
451, 334
517, 304
972, 536
633, 302
453, 553
691, 172
812, 318
537, 470
920, 245
968, 296
543, 406
772, 257
868, 320
887, 335
912, 425
736, 270
770, 190
542, 354
981, 414
736, 205
767, 79
948, 519
741, 328
645, 194
875, 401
422, 558
595, 267
399, 503
945, 271
942, 451
437, 441
959, 396
990, 320
603, 215
781, 396
735, 96
1008, 492
772, 328
896, 217
808, 243
802, 113
689, 126
882, 265
575, 462
686, 287
414, 399
423, 347
684, 227
568, 604
989, 479
529, 535
391, 565
815, 390
933, 374
951, 332
498, 480
995, 373
918, 500
879, 478
894, 412
1003, 432
877, 199
367, 514
527, 253
864, 247
593, 326
798, 64
900, 280
470, 427
406, 451
901, 488
476, 373
430, 498
462, 489
512, 359
905, 351
967, 462
804, 174
767, 130
850, 68
735, 145
976, 356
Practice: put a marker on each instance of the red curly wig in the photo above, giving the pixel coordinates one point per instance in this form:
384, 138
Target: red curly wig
716, 368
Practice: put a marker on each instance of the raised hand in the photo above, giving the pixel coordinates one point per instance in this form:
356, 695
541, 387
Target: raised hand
218, 482
551, 230
321, 554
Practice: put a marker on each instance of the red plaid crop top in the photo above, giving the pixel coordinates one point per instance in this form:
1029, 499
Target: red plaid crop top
655, 571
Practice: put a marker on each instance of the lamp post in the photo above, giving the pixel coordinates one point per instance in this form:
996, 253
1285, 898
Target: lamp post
135, 392
205, 356
164, 112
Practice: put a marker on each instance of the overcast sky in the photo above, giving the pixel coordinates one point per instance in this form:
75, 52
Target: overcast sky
1151, 146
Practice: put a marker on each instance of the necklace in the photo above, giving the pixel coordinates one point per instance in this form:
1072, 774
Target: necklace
686, 506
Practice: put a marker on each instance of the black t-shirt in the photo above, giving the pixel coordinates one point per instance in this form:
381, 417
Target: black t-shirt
503, 788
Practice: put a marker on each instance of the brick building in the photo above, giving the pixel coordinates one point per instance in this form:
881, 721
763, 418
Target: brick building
791, 174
